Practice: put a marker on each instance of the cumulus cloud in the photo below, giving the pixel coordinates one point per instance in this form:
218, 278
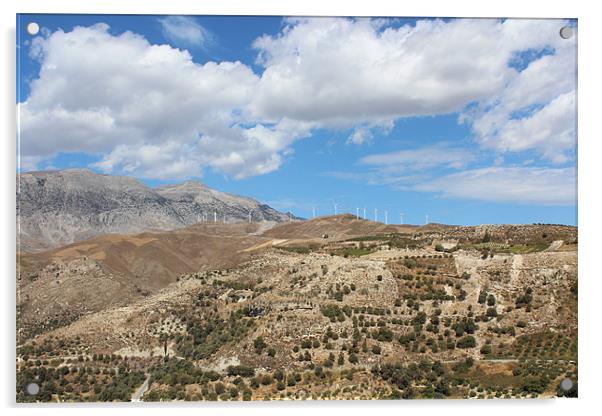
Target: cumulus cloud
510, 184
186, 31
342, 71
150, 110
536, 109
345, 71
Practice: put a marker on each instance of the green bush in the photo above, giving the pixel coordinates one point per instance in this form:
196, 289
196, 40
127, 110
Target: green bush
240, 370
467, 341
259, 344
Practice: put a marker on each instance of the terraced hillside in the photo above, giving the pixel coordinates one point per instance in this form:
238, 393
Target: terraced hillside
369, 312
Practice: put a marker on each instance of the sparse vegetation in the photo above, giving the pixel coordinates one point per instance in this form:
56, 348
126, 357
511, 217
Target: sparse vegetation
295, 322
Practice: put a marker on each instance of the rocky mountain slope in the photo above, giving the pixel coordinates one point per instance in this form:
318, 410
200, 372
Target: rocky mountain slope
55, 208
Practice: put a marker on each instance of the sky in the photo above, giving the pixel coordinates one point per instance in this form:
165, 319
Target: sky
466, 121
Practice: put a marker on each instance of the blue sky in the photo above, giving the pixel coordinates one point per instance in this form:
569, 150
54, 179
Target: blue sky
468, 121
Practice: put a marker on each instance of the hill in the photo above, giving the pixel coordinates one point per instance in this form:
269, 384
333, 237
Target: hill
58, 286
335, 227
231, 312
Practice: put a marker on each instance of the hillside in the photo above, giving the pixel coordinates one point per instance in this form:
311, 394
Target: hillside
59, 285
335, 227
372, 311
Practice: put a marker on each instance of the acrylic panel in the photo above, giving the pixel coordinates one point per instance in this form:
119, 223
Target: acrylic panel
234, 208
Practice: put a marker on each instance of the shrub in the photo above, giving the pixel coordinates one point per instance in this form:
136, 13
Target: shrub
219, 388
241, 370
383, 334
419, 319
482, 297
259, 345
266, 380
491, 312
467, 341
410, 263
525, 299
279, 375
333, 312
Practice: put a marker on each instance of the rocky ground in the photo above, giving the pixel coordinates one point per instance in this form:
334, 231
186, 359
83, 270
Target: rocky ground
343, 309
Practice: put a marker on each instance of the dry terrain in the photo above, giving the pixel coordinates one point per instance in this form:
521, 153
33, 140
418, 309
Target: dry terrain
332, 308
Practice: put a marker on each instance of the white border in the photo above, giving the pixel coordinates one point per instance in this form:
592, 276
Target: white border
590, 155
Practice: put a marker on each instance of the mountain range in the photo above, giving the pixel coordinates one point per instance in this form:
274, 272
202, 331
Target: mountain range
55, 208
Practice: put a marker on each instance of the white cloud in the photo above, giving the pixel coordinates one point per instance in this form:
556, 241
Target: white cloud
551, 130
402, 169
151, 111
360, 136
511, 184
536, 109
163, 160
341, 71
344, 71
186, 31
441, 155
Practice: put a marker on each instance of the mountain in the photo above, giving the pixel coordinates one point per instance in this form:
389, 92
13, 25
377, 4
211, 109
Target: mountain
55, 208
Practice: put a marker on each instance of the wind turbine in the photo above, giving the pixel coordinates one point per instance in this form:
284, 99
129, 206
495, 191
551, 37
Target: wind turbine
313, 212
375, 214
364, 213
386, 217
214, 216
335, 209
250, 215
401, 218
357, 213
427, 219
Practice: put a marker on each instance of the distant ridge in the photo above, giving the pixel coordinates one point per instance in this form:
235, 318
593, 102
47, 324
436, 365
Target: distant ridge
55, 208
